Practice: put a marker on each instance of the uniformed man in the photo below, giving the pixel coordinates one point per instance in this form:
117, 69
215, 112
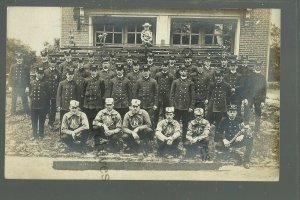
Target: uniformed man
80, 74
147, 92
255, 94
93, 94
236, 82
74, 128
39, 98
135, 75
67, 90
197, 135
67, 64
108, 126
53, 78
164, 81
137, 132
172, 67
91, 60
154, 69
201, 80
207, 66
182, 98
188, 63
224, 62
244, 67
45, 60
235, 135
106, 75
128, 68
168, 134
19, 80
219, 93
113, 60
120, 91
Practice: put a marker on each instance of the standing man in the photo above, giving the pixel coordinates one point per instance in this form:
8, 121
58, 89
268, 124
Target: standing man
236, 82
45, 60
67, 90
182, 98
207, 67
67, 64
53, 78
39, 97
147, 92
108, 126
164, 81
19, 80
172, 67
255, 94
91, 60
80, 74
74, 128
137, 132
235, 135
106, 74
168, 133
150, 62
219, 93
134, 75
197, 134
129, 65
121, 91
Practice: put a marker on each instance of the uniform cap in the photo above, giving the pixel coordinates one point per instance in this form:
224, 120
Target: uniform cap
80, 59
147, 24
199, 62
172, 57
258, 63
44, 53
70, 71
135, 62
145, 67
218, 72
232, 107
165, 62
169, 109
232, 62
74, 103
40, 70
112, 54
68, 52
90, 54
52, 60
198, 111
105, 59
19, 55
182, 67
119, 66
94, 67
150, 55
207, 57
135, 102
109, 101
244, 57
129, 56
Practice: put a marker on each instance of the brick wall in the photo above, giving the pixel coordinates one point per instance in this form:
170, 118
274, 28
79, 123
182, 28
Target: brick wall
69, 24
254, 35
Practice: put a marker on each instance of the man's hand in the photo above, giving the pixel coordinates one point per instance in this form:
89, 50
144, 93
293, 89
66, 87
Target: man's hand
108, 133
206, 101
190, 109
170, 141
10, 89
154, 107
226, 143
27, 90
135, 136
73, 135
239, 138
233, 90
194, 140
105, 128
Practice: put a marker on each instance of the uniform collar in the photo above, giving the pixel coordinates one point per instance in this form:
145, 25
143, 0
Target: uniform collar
69, 114
112, 112
139, 113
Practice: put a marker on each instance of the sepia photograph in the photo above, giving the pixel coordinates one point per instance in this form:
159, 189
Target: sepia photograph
105, 93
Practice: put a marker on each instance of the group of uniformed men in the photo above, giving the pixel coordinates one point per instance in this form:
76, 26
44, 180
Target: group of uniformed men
121, 103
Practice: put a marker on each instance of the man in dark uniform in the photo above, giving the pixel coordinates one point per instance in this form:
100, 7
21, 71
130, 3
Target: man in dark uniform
188, 63
120, 91
74, 128
93, 92
128, 68
236, 82
172, 67
135, 75
147, 92
45, 60
164, 81
19, 80
182, 98
235, 135
197, 135
137, 132
201, 80
224, 63
67, 90
39, 96
219, 93
91, 60
112, 60
52, 76
154, 69
207, 67
108, 126
255, 94
80, 75
67, 64
168, 134
106, 74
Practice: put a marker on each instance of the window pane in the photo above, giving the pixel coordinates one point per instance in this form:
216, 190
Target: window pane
109, 27
208, 39
131, 38
118, 38
227, 40
195, 39
131, 27
138, 39
209, 29
139, 28
118, 28
176, 39
100, 28
195, 28
186, 39
108, 38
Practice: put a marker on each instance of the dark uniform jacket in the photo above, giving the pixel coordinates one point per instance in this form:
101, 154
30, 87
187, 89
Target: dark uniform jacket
63, 67
106, 76
146, 91
164, 82
133, 77
121, 92
39, 94
154, 69
229, 128
219, 96
256, 87
235, 80
67, 90
182, 94
53, 78
93, 93
19, 76
201, 81
79, 76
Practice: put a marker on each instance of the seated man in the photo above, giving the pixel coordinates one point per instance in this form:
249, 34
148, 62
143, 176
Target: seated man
107, 126
197, 135
136, 128
235, 135
74, 128
168, 134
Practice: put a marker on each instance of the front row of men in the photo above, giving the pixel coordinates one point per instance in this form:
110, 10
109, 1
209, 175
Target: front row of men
134, 133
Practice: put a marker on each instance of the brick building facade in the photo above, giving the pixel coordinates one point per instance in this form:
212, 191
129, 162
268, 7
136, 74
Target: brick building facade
247, 31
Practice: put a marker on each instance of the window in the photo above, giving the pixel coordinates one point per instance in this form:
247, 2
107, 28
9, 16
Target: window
121, 30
